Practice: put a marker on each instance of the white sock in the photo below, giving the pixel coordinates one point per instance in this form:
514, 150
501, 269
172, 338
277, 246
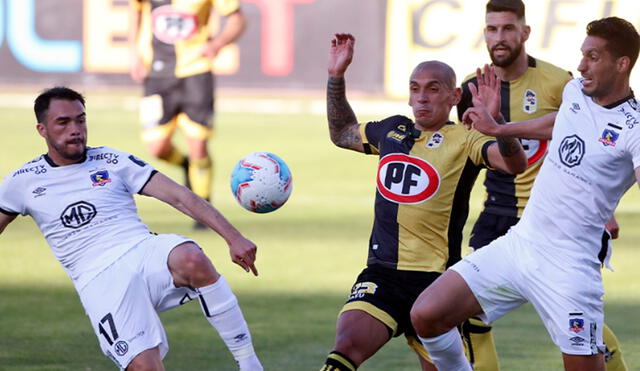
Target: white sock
446, 351
221, 309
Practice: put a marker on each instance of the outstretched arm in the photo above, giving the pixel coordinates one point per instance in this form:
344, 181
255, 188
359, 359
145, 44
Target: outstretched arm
507, 155
343, 124
5, 220
487, 92
242, 250
537, 128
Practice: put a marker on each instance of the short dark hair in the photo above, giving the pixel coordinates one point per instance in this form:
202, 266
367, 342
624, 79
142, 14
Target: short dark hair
41, 104
513, 6
622, 38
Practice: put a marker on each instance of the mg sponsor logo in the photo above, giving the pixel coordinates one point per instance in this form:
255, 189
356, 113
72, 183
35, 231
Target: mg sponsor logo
571, 150
78, 214
407, 179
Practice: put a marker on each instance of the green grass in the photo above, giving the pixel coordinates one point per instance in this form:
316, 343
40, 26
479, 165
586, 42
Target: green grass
310, 252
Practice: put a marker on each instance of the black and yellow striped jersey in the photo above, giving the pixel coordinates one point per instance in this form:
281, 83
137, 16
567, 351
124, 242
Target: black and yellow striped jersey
534, 94
173, 33
423, 183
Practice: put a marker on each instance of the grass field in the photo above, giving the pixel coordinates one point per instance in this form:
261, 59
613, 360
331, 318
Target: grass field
310, 252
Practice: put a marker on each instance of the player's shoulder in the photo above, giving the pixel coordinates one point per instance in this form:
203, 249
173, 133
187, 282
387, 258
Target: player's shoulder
548, 71
392, 121
469, 78
34, 167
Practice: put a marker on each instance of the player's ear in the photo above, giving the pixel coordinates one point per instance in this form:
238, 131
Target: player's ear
526, 31
623, 64
42, 129
455, 97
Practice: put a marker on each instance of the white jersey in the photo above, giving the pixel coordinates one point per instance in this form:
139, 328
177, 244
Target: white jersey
589, 166
86, 211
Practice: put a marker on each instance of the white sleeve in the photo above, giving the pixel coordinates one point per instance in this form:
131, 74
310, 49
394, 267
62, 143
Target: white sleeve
134, 172
11, 197
633, 146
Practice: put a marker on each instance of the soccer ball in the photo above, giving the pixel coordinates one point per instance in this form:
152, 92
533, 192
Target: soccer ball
261, 182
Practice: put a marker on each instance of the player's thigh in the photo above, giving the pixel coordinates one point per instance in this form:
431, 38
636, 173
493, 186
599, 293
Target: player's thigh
569, 302
161, 101
196, 117
388, 294
579, 363
360, 335
163, 290
490, 275
122, 314
197, 98
147, 361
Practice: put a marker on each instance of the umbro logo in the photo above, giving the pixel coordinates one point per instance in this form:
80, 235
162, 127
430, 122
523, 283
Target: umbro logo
40, 191
575, 107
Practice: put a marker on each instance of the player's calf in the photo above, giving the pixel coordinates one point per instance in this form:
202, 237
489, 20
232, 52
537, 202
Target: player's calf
221, 309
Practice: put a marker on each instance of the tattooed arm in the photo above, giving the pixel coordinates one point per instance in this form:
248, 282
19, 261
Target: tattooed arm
343, 124
507, 154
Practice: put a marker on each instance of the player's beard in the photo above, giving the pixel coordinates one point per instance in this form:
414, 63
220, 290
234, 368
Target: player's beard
73, 156
507, 60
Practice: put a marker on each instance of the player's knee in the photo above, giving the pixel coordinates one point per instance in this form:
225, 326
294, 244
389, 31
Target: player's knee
427, 322
191, 267
158, 149
348, 346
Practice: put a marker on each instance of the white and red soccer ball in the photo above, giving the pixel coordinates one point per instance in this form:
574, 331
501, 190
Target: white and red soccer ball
261, 182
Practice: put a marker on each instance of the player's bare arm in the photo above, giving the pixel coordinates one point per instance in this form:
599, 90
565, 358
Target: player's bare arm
233, 28
343, 124
507, 154
242, 250
537, 128
487, 92
5, 220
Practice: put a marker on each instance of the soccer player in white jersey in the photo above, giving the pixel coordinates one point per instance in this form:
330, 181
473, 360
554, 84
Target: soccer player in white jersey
81, 198
552, 257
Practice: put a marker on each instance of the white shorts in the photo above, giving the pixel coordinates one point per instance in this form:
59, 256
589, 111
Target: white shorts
123, 301
567, 296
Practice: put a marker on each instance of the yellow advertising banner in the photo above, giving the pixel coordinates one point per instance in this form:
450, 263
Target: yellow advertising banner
452, 31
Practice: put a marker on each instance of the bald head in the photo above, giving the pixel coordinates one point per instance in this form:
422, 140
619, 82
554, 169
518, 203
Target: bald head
442, 71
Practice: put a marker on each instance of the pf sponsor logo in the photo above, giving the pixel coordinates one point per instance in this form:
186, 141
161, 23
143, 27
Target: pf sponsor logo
78, 214
534, 149
407, 179
171, 25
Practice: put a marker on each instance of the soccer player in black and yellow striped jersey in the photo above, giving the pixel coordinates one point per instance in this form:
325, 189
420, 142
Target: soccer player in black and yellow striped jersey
425, 171
172, 48
530, 88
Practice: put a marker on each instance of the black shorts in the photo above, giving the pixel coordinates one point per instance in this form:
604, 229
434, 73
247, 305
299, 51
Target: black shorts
388, 295
489, 227
192, 95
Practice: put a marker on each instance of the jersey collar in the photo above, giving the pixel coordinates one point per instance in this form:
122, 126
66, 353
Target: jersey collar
53, 164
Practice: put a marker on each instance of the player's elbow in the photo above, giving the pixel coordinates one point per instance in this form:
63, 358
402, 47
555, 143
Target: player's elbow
517, 163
